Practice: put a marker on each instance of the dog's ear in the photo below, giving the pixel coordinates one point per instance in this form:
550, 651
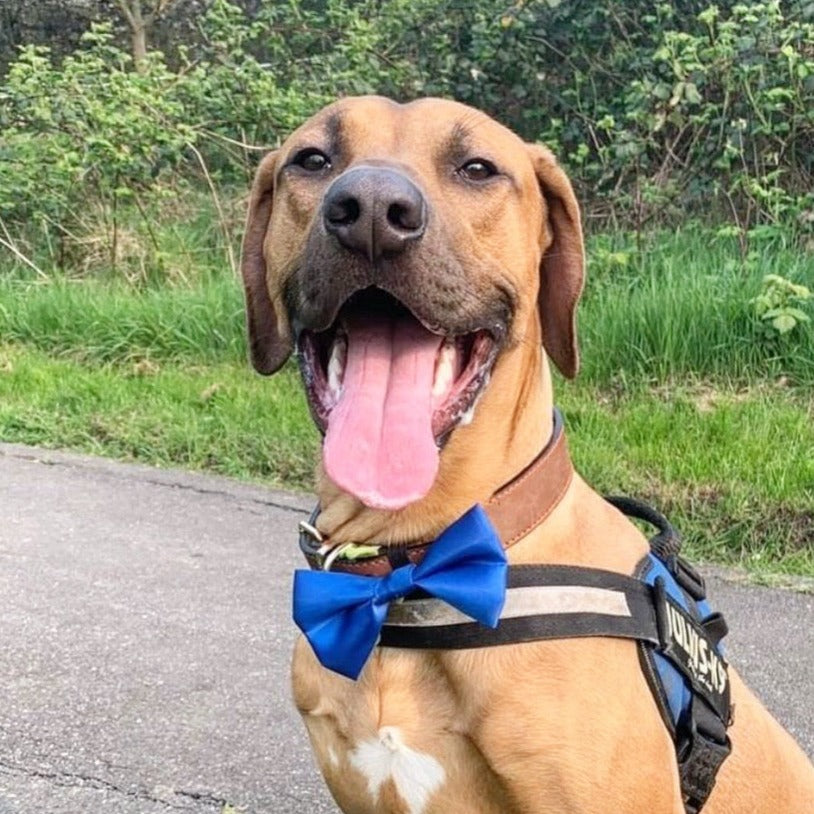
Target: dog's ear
269, 345
562, 268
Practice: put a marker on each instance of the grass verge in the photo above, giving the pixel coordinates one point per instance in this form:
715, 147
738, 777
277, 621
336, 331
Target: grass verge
216, 417
678, 306
94, 321
732, 467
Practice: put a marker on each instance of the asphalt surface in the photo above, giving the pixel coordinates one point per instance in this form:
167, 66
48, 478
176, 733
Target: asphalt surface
145, 639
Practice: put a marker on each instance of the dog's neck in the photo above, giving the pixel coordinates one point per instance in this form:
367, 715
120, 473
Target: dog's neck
470, 472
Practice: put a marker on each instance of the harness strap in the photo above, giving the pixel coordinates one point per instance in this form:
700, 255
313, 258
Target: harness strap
697, 720
680, 647
704, 748
542, 602
546, 602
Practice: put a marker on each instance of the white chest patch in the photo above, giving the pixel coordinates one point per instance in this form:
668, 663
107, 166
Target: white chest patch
416, 776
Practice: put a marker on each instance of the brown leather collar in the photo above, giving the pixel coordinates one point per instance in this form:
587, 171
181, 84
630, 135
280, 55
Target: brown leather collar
515, 509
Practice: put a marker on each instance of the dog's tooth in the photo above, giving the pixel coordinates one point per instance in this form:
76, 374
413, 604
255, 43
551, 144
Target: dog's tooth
444, 369
469, 414
336, 364
466, 418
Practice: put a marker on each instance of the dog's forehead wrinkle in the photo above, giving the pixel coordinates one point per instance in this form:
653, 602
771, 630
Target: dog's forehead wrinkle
462, 141
457, 145
334, 131
476, 122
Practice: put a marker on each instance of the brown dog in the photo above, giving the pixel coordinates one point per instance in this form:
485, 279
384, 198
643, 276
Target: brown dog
423, 257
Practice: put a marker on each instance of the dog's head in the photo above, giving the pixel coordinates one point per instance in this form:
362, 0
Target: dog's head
406, 252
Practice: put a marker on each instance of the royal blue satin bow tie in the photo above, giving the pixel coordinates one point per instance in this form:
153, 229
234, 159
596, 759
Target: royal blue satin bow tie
342, 614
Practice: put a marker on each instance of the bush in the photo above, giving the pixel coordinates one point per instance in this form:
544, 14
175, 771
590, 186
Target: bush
90, 131
657, 110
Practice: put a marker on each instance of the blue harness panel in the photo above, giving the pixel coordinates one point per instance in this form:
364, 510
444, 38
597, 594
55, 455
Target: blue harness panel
687, 672
676, 687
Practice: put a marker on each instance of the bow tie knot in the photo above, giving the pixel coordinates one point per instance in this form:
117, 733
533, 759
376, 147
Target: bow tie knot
342, 614
395, 585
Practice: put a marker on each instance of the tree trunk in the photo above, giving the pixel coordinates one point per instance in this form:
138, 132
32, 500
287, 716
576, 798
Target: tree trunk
139, 25
138, 37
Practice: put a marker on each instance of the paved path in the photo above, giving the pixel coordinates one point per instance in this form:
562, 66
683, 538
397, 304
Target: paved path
144, 643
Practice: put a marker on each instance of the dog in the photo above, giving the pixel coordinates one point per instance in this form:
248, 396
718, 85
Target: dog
426, 264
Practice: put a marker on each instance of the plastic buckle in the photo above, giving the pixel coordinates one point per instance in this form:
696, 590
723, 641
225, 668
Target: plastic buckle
700, 755
660, 606
687, 577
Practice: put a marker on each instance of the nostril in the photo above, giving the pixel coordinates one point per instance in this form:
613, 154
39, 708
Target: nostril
408, 218
343, 212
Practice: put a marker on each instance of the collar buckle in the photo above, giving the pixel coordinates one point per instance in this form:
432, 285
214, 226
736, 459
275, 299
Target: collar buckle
312, 531
312, 543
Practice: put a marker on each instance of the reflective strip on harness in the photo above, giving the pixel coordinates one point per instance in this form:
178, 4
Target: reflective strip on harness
546, 602
542, 602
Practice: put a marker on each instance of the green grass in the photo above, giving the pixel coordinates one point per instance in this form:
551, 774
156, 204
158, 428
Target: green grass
217, 417
733, 468
681, 307
98, 321
681, 399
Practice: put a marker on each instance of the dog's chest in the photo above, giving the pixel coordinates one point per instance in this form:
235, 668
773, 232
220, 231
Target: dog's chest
421, 734
396, 740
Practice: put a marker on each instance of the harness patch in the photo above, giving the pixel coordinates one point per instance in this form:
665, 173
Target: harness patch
691, 650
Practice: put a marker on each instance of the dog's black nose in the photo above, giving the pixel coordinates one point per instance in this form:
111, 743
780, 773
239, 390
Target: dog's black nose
374, 211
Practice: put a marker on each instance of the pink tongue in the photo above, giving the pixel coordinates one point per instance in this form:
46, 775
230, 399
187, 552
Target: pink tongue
379, 445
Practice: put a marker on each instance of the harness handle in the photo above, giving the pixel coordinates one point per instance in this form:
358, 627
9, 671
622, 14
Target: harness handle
665, 544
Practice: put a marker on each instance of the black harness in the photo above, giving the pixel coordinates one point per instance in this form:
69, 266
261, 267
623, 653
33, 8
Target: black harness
662, 607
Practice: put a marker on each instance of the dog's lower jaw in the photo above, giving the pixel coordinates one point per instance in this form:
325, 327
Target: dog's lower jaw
467, 473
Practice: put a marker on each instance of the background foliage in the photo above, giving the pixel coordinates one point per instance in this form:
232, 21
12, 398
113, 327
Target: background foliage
658, 110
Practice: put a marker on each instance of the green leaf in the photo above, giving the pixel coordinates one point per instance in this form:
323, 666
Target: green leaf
691, 93
784, 323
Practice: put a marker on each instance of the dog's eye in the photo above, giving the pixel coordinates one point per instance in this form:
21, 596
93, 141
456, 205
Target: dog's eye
478, 169
312, 160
